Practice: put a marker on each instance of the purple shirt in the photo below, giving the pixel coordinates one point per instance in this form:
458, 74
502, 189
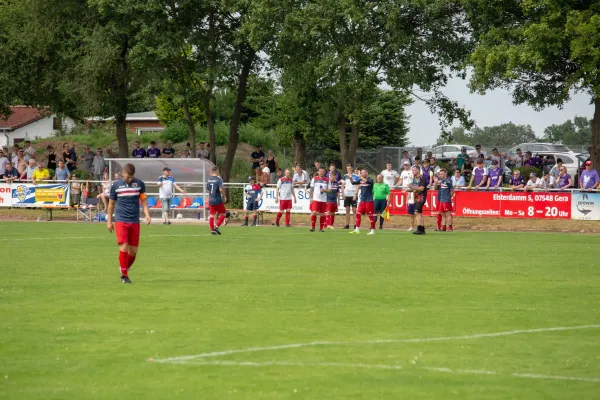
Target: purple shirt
589, 178
139, 153
426, 174
479, 175
153, 152
534, 162
517, 181
495, 176
563, 180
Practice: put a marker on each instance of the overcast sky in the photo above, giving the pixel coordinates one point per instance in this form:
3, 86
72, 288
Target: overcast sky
494, 108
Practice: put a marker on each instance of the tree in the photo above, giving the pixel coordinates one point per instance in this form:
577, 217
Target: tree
385, 122
542, 50
578, 132
504, 135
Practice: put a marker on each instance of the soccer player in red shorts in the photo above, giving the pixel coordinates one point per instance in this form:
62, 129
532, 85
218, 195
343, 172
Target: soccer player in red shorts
319, 187
284, 195
445, 194
216, 201
366, 205
124, 202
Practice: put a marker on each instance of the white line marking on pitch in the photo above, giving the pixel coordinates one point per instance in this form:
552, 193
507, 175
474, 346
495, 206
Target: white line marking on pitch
381, 367
418, 340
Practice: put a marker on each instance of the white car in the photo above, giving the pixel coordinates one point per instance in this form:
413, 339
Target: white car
448, 151
539, 147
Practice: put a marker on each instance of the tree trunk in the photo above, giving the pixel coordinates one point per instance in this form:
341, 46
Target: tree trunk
342, 130
353, 146
210, 124
595, 153
247, 61
121, 130
299, 149
191, 127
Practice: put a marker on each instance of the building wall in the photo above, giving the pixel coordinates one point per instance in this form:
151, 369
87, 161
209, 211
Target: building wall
40, 129
134, 125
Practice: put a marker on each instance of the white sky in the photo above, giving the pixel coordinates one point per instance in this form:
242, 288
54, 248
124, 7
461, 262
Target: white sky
494, 108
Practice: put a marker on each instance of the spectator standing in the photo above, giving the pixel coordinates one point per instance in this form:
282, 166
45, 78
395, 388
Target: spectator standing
381, 198
168, 151
433, 165
458, 181
202, 150
419, 188
467, 168
272, 164
300, 176
349, 193
589, 179
28, 151
549, 180
406, 157
462, 157
284, 195
62, 173
443, 184
20, 164
479, 152
10, 173
253, 193
555, 171
105, 194
98, 166
496, 174
256, 156
153, 151
479, 176
88, 161
316, 168
166, 183
15, 151
497, 156
564, 179
29, 170
390, 176
517, 182
69, 157
138, 151
417, 162
535, 183
51, 157
265, 174
3, 162
519, 159
427, 172
75, 191
333, 197
108, 153
406, 179
40, 174
280, 174
531, 161
333, 172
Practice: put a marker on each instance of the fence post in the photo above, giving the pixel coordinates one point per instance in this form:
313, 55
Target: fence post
380, 159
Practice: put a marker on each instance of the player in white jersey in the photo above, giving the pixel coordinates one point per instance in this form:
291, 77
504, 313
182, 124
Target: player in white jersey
284, 195
349, 191
319, 186
390, 176
406, 178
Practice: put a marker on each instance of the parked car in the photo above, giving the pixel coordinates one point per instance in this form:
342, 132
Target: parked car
570, 160
539, 147
447, 151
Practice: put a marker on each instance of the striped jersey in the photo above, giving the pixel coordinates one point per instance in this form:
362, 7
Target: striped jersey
127, 199
285, 187
365, 190
318, 184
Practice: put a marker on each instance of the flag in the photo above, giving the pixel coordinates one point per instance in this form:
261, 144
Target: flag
386, 213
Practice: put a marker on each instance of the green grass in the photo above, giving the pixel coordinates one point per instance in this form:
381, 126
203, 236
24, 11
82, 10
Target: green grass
71, 330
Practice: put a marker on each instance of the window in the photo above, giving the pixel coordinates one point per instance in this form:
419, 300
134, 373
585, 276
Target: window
567, 160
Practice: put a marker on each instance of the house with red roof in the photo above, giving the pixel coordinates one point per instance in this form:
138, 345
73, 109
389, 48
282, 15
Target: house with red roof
30, 123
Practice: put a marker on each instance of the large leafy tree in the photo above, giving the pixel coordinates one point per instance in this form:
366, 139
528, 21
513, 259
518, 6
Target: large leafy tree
503, 135
577, 131
542, 50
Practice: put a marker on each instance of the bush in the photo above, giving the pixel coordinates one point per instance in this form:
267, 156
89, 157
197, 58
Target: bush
254, 136
525, 171
176, 132
236, 198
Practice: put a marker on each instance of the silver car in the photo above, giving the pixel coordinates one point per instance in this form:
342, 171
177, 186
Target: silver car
447, 151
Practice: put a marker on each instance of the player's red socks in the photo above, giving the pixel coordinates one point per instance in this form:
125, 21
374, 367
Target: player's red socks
279, 214
313, 221
123, 262
221, 219
372, 219
287, 217
358, 220
211, 221
130, 261
444, 228
331, 219
438, 219
321, 222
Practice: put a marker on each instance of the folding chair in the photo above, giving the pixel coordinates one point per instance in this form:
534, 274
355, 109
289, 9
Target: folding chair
89, 210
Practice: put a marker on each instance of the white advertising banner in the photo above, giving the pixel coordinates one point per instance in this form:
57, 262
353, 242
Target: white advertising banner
5, 195
585, 206
301, 206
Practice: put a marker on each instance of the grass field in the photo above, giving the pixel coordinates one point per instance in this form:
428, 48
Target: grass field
253, 302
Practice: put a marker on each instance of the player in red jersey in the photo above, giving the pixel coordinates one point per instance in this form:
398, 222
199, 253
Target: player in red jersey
284, 195
318, 199
124, 202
